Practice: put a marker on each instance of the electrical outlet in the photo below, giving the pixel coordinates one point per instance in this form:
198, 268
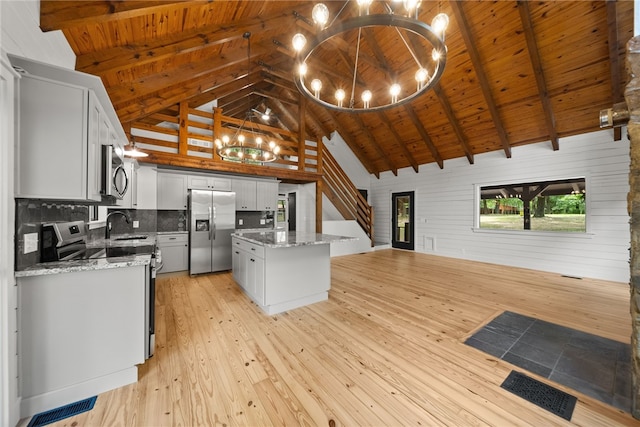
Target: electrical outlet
263, 222
136, 224
240, 222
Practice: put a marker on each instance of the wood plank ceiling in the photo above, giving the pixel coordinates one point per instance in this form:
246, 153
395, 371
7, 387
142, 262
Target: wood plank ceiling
517, 72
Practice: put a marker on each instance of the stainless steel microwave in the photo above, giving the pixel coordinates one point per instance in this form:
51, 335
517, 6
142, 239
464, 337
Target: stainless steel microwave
115, 181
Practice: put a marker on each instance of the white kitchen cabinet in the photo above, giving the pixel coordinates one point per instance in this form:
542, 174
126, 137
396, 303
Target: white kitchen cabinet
255, 195
266, 195
175, 252
64, 118
245, 190
213, 182
81, 333
172, 191
146, 185
59, 155
248, 268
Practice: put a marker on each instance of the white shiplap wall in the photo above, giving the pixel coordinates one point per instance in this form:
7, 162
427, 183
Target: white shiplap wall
445, 203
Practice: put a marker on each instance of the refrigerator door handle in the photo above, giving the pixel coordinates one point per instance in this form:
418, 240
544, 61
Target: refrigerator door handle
210, 222
214, 223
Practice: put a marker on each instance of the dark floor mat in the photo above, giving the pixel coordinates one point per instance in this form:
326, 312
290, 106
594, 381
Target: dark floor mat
57, 414
553, 400
592, 365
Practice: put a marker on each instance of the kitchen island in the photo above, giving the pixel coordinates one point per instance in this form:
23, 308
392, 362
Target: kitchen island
281, 270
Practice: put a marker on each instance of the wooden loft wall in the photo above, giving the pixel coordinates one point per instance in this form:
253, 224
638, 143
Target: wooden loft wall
186, 140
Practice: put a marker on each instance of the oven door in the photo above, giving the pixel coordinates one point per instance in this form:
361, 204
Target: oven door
115, 181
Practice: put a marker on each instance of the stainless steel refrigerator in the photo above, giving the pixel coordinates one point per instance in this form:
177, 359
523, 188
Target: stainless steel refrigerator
212, 220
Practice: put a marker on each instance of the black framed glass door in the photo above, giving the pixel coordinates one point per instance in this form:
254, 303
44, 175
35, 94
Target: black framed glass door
403, 229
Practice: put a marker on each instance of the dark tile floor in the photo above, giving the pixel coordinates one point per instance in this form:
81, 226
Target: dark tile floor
596, 366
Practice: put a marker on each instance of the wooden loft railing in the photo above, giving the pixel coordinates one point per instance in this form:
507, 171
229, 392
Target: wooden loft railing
186, 140
344, 195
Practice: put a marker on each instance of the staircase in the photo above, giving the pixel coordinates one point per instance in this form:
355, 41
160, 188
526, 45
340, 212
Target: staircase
344, 195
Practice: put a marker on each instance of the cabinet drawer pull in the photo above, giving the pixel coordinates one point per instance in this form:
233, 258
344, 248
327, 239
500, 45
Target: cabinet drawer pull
253, 249
172, 238
237, 253
253, 260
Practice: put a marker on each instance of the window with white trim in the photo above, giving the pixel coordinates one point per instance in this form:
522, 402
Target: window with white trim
558, 205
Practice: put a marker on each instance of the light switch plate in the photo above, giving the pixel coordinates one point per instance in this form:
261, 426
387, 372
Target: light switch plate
240, 222
136, 224
30, 242
263, 222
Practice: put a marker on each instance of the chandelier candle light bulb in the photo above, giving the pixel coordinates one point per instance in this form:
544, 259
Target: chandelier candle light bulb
394, 27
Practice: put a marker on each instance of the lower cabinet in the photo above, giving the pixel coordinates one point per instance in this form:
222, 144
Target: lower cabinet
248, 269
81, 333
175, 252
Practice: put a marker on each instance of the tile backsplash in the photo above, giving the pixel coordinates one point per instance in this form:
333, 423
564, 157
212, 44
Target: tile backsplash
254, 219
31, 214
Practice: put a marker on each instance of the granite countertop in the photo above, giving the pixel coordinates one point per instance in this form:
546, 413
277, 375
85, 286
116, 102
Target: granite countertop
97, 263
288, 239
173, 232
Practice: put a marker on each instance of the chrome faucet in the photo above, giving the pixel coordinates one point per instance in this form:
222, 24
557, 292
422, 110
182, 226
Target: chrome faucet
107, 229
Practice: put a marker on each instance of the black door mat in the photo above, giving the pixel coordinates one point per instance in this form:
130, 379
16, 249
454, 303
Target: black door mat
593, 365
57, 414
553, 400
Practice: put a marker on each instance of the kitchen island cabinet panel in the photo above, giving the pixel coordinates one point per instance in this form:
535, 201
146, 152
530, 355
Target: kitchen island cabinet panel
282, 270
81, 333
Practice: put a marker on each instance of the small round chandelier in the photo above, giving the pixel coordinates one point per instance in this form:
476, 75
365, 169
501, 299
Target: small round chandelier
344, 66
246, 144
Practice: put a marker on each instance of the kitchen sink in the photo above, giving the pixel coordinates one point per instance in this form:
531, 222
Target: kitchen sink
134, 237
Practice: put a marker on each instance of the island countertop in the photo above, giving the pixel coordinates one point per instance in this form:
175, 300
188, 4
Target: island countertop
288, 239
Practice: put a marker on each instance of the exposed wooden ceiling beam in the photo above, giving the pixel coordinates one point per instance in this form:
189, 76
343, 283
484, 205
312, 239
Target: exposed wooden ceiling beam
465, 32
455, 124
144, 85
614, 61
212, 84
407, 154
424, 135
123, 57
538, 71
372, 140
58, 15
346, 137
268, 94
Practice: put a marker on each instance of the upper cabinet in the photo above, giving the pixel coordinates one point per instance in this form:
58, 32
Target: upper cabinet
252, 195
64, 119
204, 182
146, 185
172, 191
266, 195
245, 190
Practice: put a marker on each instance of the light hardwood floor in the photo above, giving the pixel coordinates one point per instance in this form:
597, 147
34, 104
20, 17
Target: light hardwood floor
386, 349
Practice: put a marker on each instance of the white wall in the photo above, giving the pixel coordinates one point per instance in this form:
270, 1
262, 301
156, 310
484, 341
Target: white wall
445, 202
305, 205
348, 161
19, 34
351, 229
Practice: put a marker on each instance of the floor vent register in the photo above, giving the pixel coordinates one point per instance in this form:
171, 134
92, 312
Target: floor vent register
553, 400
57, 414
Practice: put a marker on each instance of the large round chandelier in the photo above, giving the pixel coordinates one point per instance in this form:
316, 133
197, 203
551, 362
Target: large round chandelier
375, 60
246, 144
